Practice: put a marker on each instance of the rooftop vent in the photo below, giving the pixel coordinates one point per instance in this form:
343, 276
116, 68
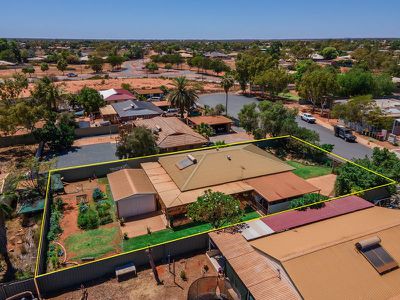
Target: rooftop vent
229, 157
158, 128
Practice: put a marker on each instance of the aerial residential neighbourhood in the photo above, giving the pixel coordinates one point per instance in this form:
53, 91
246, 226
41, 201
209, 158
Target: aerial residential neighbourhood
200, 150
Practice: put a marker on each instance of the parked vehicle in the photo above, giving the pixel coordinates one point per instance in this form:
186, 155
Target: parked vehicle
171, 112
344, 133
72, 75
308, 118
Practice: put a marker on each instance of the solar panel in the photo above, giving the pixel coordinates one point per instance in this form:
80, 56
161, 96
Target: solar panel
186, 162
377, 256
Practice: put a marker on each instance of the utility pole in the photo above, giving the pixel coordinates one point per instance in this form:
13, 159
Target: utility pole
153, 266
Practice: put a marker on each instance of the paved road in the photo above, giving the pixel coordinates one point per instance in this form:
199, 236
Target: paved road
342, 148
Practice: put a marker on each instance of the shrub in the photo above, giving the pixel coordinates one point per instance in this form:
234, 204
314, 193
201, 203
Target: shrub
88, 219
183, 275
308, 199
97, 194
55, 217
106, 219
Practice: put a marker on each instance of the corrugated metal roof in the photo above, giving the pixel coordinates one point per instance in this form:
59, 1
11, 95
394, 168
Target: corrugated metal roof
296, 218
281, 186
210, 120
260, 277
133, 108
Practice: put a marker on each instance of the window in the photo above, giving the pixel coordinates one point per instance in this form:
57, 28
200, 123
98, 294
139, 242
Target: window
377, 256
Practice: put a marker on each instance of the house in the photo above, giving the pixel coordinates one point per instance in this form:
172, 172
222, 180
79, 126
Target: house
154, 93
108, 113
220, 124
173, 134
352, 256
348, 250
132, 192
216, 54
116, 95
237, 170
132, 110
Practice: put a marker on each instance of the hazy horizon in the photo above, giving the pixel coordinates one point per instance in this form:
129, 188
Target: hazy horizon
205, 20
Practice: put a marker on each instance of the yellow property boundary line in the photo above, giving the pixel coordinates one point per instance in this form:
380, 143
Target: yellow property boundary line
391, 182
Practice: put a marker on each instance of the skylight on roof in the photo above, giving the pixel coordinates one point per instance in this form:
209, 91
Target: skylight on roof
186, 162
376, 255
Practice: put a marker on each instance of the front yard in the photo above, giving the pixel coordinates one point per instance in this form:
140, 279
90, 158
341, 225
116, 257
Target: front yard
309, 171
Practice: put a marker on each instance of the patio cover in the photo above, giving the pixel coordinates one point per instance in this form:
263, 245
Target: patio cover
281, 186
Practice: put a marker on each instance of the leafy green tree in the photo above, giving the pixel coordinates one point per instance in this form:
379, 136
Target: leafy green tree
216, 208
205, 130
152, 67
59, 135
90, 100
275, 119
46, 93
182, 95
304, 66
140, 141
275, 80
28, 70
115, 61
62, 65
318, 86
44, 67
329, 53
227, 82
11, 88
352, 178
383, 85
356, 82
248, 117
96, 63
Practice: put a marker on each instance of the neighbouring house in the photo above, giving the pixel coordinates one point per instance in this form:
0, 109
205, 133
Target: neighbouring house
348, 249
220, 124
216, 54
108, 113
154, 93
173, 134
133, 192
163, 104
130, 110
116, 95
241, 171
352, 256
83, 122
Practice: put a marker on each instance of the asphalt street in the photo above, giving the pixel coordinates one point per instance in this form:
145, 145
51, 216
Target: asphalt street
342, 148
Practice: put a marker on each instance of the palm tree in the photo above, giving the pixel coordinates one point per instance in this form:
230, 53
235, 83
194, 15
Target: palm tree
182, 95
47, 93
227, 82
4, 211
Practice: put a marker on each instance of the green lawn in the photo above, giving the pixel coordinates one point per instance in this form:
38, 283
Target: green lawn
306, 171
289, 96
171, 234
93, 243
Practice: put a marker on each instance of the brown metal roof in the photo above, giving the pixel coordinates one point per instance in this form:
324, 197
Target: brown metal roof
323, 262
107, 110
253, 268
281, 186
170, 194
128, 182
149, 91
220, 166
210, 120
174, 133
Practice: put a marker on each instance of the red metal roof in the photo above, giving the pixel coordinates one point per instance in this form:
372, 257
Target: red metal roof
334, 208
121, 95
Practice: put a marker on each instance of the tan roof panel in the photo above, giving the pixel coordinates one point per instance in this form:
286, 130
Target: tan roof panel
281, 186
128, 182
107, 110
174, 133
219, 166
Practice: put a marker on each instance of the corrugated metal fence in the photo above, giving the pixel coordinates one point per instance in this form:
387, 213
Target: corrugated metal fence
16, 287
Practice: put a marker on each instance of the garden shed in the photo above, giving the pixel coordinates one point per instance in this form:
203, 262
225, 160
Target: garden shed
133, 192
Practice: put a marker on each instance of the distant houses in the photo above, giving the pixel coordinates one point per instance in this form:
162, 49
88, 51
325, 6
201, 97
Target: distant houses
129, 110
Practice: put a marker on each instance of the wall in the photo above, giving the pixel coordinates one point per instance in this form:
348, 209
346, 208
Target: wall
16, 287
74, 277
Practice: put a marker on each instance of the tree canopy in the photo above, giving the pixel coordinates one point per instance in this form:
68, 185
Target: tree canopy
182, 96
139, 141
90, 100
216, 208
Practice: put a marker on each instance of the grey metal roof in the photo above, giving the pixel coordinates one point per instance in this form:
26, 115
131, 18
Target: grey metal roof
132, 108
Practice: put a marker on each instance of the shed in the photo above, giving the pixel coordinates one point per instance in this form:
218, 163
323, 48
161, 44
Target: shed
133, 192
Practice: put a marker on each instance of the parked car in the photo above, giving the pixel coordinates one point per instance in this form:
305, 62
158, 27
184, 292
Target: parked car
72, 75
344, 133
308, 118
171, 112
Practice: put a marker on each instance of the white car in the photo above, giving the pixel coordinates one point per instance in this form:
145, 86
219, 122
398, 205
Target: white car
308, 118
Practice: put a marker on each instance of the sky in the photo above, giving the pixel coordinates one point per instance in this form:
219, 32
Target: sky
199, 19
